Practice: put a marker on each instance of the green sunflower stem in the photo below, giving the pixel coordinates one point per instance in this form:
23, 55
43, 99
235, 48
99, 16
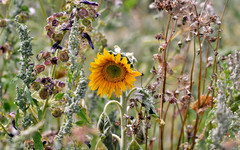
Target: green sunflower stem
123, 101
110, 102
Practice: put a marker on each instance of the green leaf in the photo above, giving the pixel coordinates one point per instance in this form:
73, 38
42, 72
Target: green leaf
59, 96
80, 122
39, 114
25, 8
140, 137
35, 102
28, 95
104, 125
16, 118
83, 116
134, 146
6, 106
37, 141
147, 100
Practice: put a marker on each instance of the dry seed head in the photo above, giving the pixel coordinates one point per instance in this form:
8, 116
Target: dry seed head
44, 93
63, 56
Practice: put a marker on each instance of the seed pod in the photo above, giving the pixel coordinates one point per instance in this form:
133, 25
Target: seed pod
55, 22
44, 93
46, 55
82, 13
86, 22
39, 68
57, 112
93, 13
3, 23
63, 56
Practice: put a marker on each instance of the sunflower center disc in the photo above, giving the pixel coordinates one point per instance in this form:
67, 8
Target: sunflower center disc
114, 72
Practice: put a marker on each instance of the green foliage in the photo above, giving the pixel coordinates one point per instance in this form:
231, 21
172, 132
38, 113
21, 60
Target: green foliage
105, 126
59, 96
134, 146
37, 141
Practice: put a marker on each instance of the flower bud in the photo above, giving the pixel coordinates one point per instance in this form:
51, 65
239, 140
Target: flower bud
39, 68
92, 13
55, 22
86, 22
83, 13
63, 56
57, 112
44, 93
46, 55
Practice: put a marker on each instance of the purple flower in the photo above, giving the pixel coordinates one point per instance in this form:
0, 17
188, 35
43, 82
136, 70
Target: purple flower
85, 35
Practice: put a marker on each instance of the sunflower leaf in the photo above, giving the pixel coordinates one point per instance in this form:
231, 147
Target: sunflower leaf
134, 146
140, 137
105, 127
147, 100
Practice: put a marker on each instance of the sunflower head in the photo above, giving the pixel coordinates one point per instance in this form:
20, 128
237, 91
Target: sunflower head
111, 73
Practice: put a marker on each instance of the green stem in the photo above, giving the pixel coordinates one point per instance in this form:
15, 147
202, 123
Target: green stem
43, 9
110, 102
45, 108
4, 128
33, 115
123, 99
129, 94
58, 124
117, 137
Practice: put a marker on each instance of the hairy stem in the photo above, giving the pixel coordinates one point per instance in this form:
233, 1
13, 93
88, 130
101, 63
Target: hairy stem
123, 101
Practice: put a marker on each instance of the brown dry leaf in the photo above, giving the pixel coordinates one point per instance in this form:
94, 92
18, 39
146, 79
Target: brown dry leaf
204, 103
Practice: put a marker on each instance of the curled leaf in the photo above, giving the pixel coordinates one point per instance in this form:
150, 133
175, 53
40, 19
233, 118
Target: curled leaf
105, 127
85, 35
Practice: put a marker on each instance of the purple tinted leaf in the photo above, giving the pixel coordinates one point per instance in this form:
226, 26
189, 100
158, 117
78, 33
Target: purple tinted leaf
85, 35
56, 46
89, 3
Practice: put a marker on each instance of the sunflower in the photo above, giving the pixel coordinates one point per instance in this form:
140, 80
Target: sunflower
111, 73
